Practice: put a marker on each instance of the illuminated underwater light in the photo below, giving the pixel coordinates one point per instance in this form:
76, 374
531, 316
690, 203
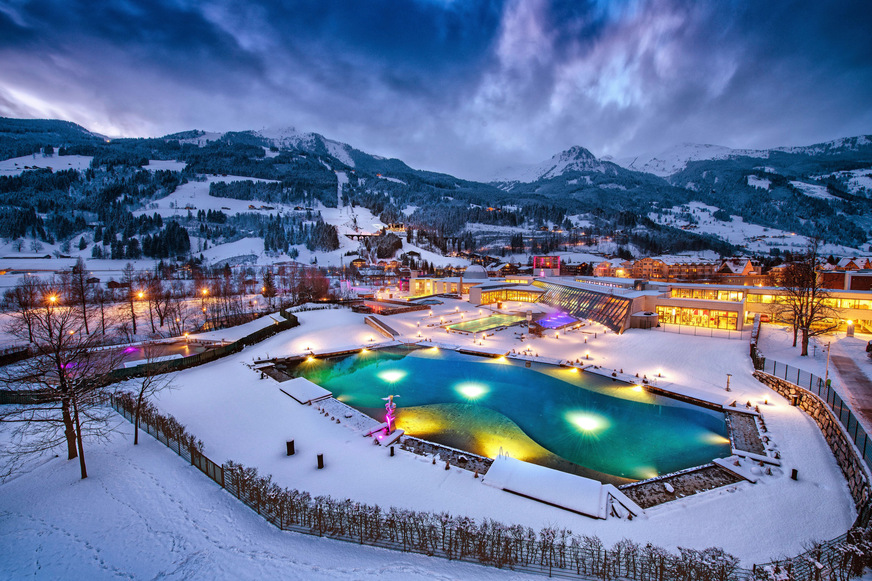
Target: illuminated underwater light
472, 390
587, 422
392, 375
715, 439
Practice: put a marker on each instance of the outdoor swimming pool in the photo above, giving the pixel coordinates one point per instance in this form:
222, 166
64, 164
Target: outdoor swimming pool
554, 416
487, 323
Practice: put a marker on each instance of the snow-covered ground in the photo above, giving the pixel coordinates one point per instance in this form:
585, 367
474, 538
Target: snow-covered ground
776, 343
167, 165
759, 183
859, 181
674, 159
195, 196
16, 165
145, 513
262, 418
754, 237
813, 190
247, 419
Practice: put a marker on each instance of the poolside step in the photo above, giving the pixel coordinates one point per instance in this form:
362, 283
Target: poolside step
742, 471
388, 439
378, 428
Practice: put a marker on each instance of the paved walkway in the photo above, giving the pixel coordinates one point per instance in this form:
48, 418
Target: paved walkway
858, 386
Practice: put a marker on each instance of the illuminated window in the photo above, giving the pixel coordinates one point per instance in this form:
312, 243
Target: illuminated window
713, 319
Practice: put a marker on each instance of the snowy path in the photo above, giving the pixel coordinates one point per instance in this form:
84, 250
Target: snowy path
341, 179
859, 387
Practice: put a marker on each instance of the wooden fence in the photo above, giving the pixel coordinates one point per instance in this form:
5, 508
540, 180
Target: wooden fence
552, 552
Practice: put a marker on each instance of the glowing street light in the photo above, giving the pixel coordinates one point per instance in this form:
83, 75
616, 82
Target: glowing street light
139, 295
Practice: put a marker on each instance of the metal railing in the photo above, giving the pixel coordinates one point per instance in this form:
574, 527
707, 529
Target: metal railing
702, 331
824, 390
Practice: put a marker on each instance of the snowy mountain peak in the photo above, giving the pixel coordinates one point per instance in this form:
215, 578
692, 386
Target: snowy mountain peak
575, 153
675, 158
574, 159
831, 147
289, 137
279, 133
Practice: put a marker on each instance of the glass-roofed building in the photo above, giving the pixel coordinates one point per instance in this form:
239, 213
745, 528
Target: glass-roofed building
621, 303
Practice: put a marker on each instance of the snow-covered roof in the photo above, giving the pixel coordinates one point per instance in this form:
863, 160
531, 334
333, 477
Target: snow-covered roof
575, 493
475, 272
304, 391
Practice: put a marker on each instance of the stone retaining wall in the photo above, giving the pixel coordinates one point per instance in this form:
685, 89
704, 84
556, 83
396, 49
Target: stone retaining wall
847, 455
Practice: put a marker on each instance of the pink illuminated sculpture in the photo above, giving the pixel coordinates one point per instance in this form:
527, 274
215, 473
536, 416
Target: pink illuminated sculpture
389, 412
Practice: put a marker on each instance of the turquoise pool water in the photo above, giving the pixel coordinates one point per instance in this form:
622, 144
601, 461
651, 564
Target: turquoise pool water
487, 323
574, 421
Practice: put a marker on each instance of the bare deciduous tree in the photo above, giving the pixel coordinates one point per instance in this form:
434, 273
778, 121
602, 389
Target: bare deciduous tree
153, 379
80, 289
23, 298
66, 376
805, 303
128, 277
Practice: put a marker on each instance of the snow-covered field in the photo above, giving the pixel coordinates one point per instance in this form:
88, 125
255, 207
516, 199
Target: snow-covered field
16, 165
759, 183
859, 181
144, 513
752, 236
195, 196
148, 493
813, 190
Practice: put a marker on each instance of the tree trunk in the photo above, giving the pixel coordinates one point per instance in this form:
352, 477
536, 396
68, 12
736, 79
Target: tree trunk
85, 312
795, 333
79, 441
132, 315
136, 419
151, 316
804, 343
69, 429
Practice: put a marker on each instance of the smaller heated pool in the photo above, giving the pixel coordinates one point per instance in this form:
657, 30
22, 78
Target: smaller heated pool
557, 321
487, 323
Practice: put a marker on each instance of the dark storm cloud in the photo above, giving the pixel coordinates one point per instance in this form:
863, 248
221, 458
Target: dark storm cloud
458, 86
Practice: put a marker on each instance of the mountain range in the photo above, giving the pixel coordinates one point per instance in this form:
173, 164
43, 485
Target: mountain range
823, 189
